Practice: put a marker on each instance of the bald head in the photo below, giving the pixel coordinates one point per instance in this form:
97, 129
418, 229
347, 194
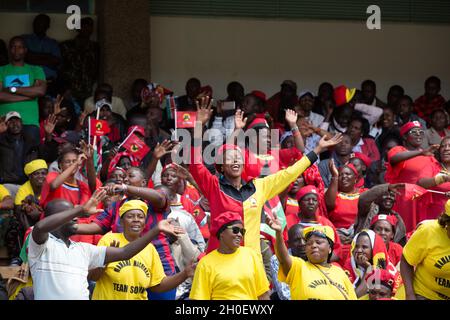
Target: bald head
57, 206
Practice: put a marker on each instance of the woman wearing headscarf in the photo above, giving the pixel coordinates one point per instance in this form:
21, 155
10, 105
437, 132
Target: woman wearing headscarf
384, 226
342, 202
436, 177
406, 164
316, 278
230, 192
230, 272
424, 266
130, 279
367, 253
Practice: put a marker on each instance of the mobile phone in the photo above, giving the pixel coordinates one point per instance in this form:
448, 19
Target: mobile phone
228, 105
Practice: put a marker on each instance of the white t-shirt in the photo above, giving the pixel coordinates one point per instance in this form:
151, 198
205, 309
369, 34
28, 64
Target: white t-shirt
60, 272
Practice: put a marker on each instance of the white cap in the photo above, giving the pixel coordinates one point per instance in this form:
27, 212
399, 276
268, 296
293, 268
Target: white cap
12, 114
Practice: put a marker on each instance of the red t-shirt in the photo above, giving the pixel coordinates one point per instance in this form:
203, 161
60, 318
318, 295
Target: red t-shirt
395, 252
345, 210
189, 200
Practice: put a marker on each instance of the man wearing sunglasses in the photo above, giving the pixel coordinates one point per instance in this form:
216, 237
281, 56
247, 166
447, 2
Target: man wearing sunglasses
230, 272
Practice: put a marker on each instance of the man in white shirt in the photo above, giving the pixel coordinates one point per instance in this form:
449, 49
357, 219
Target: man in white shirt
59, 267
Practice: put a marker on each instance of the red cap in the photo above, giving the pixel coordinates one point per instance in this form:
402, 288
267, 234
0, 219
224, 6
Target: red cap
223, 219
362, 157
259, 94
389, 218
351, 166
343, 95
307, 190
139, 129
381, 276
258, 123
408, 126
222, 149
169, 166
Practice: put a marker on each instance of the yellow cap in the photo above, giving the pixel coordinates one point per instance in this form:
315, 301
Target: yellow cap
34, 165
133, 205
325, 230
447, 208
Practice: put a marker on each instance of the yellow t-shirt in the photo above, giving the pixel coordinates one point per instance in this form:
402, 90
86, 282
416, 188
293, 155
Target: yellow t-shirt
428, 250
3, 192
236, 276
24, 191
128, 279
308, 283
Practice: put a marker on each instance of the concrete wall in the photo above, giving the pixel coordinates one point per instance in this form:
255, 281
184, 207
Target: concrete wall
261, 54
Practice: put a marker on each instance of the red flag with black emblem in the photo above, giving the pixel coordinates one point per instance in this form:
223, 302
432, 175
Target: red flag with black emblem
136, 147
186, 119
99, 128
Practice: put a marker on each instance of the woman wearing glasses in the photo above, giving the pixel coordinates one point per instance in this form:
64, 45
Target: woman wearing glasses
407, 164
317, 278
230, 272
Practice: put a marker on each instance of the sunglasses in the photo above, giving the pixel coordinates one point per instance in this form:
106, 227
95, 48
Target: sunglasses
236, 230
417, 132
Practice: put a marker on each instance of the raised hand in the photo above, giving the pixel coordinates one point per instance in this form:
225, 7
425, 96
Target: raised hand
274, 223
326, 143
83, 116
182, 172
114, 189
164, 148
291, 118
87, 149
333, 170
362, 261
169, 229
396, 187
49, 124
90, 207
57, 104
239, 120
204, 110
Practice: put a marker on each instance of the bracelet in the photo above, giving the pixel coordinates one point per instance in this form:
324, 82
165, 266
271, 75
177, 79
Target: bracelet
294, 129
439, 179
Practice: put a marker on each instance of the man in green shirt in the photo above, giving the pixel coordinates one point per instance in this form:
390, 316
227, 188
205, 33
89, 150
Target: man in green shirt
21, 85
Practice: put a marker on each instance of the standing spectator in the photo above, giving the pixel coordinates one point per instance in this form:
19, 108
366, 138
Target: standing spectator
17, 148
129, 281
430, 100
21, 84
285, 99
231, 272
302, 275
438, 130
424, 266
81, 61
59, 267
42, 50
369, 92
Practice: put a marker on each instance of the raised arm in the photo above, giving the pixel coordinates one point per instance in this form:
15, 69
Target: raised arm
239, 124
53, 222
59, 180
291, 119
88, 151
332, 191
157, 199
160, 150
280, 248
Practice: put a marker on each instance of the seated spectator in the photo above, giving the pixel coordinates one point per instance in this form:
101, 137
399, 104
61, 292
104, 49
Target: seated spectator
381, 284
430, 100
115, 121
61, 274
379, 201
117, 105
27, 209
285, 99
136, 93
384, 226
377, 170
394, 94
230, 272
369, 93
42, 50
358, 131
114, 282
17, 148
305, 106
405, 112
368, 253
389, 127
324, 103
296, 248
361, 163
21, 84
187, 102
439, 120
150, 98
81, 61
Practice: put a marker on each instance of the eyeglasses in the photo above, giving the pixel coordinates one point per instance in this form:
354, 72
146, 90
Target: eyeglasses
236, 230
417, 132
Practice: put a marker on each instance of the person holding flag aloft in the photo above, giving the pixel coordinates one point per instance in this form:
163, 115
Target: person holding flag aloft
230, 192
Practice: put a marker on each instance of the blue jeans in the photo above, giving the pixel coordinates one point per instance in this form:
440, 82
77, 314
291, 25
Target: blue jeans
168, 295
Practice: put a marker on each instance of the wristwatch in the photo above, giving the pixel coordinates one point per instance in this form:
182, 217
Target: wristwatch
13, 89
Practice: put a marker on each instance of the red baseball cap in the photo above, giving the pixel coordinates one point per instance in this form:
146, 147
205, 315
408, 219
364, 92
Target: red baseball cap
389, 218
307, 190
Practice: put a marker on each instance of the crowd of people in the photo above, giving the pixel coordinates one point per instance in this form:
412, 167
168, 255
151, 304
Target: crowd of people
333, 196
